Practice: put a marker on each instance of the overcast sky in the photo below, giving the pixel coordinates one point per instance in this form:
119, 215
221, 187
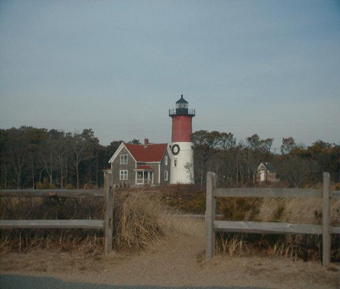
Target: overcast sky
266, 67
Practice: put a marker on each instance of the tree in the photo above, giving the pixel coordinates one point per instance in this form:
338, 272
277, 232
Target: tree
36, 139
227, 154
82, 146
297, 170
288, 144
91, 168
211, 151
3, 159
226, 141
326, 155
204, 143
255, 143
60, 153
16, 150
135, 141
79, 153
112, 147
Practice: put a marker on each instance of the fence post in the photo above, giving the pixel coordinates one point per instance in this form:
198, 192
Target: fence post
210, 216
108, 195
326, 219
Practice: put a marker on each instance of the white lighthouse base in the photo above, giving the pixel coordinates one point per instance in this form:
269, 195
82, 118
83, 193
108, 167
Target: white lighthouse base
182, 164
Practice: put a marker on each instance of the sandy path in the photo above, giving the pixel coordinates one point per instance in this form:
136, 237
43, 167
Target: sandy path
174, 261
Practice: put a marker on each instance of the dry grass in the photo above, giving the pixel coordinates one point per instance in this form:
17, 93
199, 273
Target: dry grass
173, 223
232, 245
298, 211
141, 217
51, 208
136, 222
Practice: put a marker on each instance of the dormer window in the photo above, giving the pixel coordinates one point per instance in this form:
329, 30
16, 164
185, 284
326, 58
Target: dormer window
123, 159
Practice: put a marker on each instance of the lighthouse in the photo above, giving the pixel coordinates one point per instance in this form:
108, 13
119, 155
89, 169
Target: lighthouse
182, 160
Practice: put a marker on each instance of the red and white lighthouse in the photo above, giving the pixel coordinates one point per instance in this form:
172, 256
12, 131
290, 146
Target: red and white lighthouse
182, 160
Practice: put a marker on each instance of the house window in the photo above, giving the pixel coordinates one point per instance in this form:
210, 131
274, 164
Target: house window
175, 162
140, 177
166, 175
123, 175
166, 160
123, 159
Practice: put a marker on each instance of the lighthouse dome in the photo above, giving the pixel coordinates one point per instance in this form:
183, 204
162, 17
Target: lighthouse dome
182, 103
182, 108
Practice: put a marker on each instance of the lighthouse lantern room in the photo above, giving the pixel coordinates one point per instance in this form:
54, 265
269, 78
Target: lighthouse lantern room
182, 161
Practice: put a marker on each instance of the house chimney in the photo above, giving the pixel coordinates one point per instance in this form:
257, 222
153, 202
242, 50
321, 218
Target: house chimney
146, 142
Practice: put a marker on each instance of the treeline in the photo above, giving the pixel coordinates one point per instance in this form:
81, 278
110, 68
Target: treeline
40, 158
236, 163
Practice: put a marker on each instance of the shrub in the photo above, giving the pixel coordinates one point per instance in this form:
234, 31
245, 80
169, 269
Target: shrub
90, 186
336, 187
185, 198
70, 187
239, 209
45, 185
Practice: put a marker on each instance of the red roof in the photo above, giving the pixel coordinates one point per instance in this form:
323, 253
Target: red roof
145, 168
149, 153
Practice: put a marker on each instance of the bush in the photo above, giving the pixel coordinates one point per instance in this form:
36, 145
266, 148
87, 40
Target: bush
90, 186
239, 209
185, 198
336, 187
70, 187
45, 185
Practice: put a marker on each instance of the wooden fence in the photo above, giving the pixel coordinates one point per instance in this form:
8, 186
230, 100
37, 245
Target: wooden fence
325, 229
106, 224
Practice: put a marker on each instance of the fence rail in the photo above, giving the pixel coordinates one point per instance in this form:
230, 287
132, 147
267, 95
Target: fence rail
52, 193
52, 224
272, 193
213, 225
106, 224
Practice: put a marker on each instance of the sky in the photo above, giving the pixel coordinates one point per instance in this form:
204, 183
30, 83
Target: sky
247, 67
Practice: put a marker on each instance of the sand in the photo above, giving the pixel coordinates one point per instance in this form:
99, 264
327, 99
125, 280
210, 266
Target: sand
176, 260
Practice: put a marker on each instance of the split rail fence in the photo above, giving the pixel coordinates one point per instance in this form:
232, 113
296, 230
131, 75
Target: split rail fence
106, 224
213, 225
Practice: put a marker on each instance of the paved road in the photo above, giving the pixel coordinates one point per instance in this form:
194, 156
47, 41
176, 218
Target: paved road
29, 282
